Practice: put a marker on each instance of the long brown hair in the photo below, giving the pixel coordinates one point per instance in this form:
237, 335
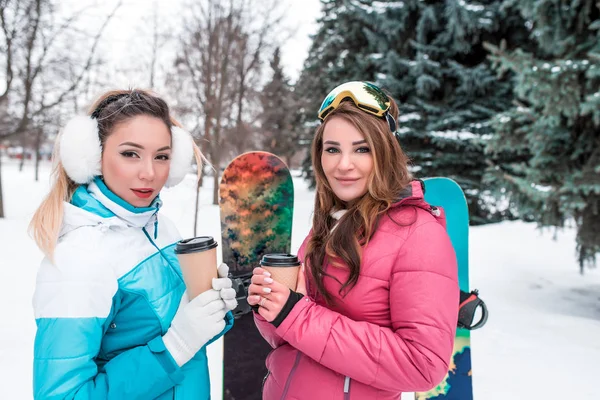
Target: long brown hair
110, 109
354, 230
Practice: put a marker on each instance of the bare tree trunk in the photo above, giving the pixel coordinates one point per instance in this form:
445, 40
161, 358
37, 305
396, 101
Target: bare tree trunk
205, 143
231, 33
154, 44
38, 144
201, 179
203, 146
1, 201
22, 162
198, 187
217, 176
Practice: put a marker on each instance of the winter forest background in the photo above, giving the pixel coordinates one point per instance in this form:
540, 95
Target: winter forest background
502, 96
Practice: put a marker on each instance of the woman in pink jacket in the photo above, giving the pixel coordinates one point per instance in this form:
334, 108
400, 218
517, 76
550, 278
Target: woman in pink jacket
376, 306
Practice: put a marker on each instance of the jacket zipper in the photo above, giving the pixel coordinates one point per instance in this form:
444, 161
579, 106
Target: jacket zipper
347, 388
156, 247
289, 379
167, 261
262, 388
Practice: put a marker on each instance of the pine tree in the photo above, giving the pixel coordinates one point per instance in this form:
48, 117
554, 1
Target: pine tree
434, 64
551, 139
429, 56
278, 113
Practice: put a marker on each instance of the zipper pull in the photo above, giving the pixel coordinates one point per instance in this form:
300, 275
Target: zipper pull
156, 228
347, 385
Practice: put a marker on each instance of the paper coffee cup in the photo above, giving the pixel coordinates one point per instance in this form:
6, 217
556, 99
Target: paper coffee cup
283, 268
198, 260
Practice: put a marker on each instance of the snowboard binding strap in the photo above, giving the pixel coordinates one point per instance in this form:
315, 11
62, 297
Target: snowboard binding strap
240, 283
469, 302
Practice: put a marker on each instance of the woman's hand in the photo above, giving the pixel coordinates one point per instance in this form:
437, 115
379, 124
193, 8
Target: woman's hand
195, 323
268, 294
223, 285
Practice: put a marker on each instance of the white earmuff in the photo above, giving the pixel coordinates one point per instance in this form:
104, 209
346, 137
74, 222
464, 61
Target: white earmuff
80, 151
182, 154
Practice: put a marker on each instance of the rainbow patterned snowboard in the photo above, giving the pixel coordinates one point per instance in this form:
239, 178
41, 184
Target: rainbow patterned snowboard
257, 204
446, 193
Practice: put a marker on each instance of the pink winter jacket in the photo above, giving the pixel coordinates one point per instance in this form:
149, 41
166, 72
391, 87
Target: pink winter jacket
392, 333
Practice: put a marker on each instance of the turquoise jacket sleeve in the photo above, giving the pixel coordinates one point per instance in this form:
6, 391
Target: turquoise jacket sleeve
64, 366
74, 305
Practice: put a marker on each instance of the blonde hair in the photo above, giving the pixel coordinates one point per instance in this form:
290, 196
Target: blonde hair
110, 109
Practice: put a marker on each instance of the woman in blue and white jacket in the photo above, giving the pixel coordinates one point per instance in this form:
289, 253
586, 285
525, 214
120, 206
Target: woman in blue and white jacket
113, 319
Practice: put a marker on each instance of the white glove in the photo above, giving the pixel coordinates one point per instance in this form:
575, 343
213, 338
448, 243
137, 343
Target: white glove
223, 285
195, 324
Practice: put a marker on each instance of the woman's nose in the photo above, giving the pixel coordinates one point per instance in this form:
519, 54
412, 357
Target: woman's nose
147, 171
346, 162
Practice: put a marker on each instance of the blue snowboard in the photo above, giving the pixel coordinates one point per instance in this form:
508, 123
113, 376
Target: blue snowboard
446, 193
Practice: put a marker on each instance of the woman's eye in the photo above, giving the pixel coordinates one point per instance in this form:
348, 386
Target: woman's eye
363, 150
332, 150
129, 154
163, 157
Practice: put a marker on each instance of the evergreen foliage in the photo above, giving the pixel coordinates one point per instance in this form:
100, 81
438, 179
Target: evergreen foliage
546, 150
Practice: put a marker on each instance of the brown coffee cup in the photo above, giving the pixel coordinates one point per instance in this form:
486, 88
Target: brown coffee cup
198, 260
283, 268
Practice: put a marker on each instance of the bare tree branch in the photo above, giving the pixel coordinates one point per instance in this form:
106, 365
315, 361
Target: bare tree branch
193, 73
33, 68
8, 37
47, 45
28, 78
87, 64
220, 54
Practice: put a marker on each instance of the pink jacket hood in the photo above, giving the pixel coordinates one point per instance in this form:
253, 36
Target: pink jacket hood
392, 333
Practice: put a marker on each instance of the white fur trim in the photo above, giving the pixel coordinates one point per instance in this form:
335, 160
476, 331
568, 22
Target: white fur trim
80, 151
338, 214
181, 155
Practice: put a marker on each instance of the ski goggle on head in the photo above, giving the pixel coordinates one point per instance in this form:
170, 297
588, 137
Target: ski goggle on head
365, 96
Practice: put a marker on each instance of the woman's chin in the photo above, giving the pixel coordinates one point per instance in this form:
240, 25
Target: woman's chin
349, 196
140, 203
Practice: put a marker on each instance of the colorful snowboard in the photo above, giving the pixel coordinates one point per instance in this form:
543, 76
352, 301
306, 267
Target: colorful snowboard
257, 204
446, 193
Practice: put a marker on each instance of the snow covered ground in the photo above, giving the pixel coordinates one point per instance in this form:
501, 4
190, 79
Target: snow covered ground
542, 340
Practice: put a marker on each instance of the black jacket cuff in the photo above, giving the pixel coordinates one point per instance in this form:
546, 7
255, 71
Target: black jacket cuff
287, 308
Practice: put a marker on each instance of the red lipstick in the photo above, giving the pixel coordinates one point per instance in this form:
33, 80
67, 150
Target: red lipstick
143, 193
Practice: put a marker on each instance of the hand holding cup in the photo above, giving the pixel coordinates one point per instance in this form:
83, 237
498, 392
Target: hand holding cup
224, 285
267, 293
